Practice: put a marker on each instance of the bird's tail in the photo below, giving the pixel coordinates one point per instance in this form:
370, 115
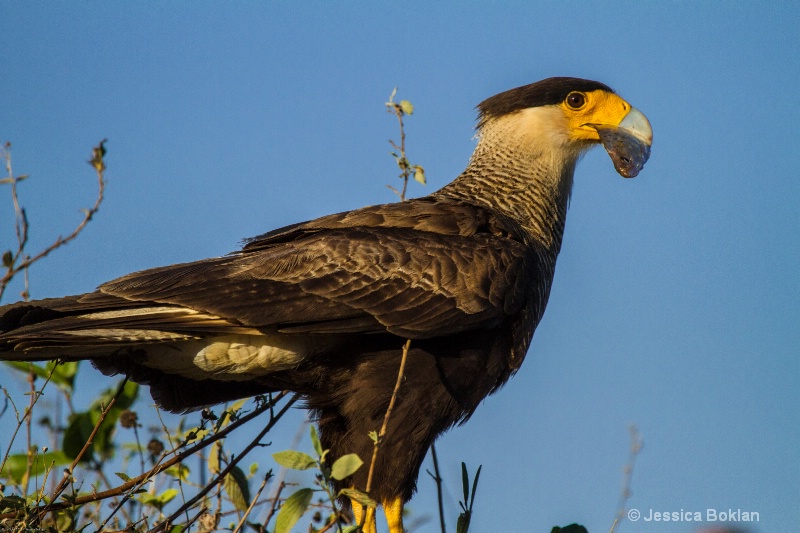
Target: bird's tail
113, 333
94, 325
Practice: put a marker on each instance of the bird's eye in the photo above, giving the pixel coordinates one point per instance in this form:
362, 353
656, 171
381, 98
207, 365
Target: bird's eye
576, 100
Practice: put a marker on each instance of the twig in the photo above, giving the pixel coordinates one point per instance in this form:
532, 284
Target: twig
382, 432
253, 503
438, 479
28, 421
403, 162
335, 522
164, 525
275, 499
400, 109
195, 518
18, 261
99, 472
636, 447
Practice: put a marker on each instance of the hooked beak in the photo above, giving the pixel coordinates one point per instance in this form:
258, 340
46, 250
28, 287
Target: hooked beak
628, 144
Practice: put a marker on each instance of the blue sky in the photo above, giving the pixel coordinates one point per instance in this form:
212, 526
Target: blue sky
675, 303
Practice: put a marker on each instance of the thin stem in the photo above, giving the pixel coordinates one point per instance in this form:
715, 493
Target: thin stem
253, 503
275, 499
438, 479
636, 447
382, 433
30, 452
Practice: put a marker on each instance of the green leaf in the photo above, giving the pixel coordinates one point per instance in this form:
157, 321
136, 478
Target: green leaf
123, 476
167, 496
358, 496
238, 490
179, 471
79, 428
195, 434
97, 156
351, 529
407, 107
213, 458
63, 374
159, 500
465, 484
572, 528
129, 395
25, 368
230, 414
64, 522
293, 508
345, 466
14, 179
12, 502
475, 486
294, 460
315, 441
373, 435
17, 464
81, 424
419, 175
462, 525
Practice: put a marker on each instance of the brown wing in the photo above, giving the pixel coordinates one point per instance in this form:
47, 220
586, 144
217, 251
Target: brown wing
419, 271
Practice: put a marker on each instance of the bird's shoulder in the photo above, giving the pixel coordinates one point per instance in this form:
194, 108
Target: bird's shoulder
428, 215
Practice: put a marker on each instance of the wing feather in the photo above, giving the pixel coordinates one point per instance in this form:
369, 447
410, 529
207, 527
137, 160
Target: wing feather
418, 269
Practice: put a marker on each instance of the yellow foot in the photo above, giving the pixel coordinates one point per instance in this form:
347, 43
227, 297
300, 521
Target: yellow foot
394, 516
368, 524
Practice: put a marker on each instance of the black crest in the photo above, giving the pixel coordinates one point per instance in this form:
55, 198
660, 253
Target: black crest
546, 92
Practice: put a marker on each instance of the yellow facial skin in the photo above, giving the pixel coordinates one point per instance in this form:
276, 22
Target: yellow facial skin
599, 108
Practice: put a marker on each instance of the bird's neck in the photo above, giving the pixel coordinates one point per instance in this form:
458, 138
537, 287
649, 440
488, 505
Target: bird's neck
532, 187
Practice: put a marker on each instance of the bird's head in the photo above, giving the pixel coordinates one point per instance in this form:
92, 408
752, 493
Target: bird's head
567, 116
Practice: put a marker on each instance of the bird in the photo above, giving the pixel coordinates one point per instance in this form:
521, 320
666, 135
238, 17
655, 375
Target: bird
324, 308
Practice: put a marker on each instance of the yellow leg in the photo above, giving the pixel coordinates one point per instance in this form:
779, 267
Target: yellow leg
394, 514
369, 521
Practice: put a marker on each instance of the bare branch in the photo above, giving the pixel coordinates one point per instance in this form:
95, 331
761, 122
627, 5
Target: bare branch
18, 261
253, 503
400, 109
275, 499
636, 447
437, 478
